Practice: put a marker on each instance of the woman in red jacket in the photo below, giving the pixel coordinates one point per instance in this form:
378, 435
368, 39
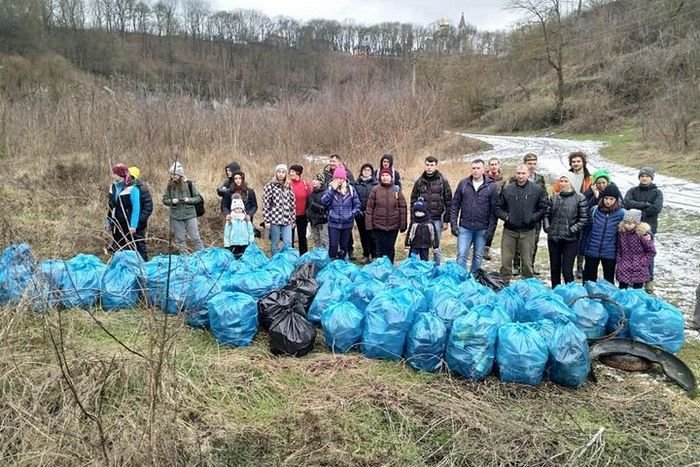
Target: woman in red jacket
301, 189
386, 213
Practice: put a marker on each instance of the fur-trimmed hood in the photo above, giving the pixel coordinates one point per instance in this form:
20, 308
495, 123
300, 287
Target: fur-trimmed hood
642, 228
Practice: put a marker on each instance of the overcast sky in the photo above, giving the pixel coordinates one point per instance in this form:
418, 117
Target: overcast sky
484, 14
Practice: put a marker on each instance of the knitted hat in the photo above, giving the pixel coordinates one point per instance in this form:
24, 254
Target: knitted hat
234, 167
319, 177
633, 215
176, 169
120, 170
297, 168
613, 191
237, 202
340, 172
385, 170
134, 172
647, 171
419, 206
601, 173
281, 168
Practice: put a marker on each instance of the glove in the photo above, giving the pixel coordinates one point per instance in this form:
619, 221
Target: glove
455, 231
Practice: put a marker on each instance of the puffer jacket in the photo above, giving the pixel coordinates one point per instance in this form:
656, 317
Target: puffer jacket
436, 191
635, 250
342, 208
364, 188
648, 199
521, 207
566, 216
475, 209
316, 212
278, 203
601, 241
386, 209
146, 201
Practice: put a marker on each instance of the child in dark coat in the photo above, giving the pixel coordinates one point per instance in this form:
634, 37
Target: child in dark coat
635, 250
421, 235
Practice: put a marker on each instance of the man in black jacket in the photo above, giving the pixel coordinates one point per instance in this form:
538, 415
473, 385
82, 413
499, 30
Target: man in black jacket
521, 205
650, 200
146, 202
434, 188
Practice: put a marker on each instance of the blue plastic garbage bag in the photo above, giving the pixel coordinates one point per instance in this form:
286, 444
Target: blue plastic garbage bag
253, 257
546, 306
363, 289
511, 302
591, 317
569, 363
451, 269
51, 279
211, 261
342, 325
425, 345
494, 310
482, 296
388, 318
658, 323
122, 281
602, 287
194, 303
381, 268
546, 328
317, 256
415, 297
570, 292
628, 300
471, 346
158, 270
440, 289
521, 354
529, 288
470, 287
17, 267
400, 278
448, 309
337, 268
289, 254
329, 293
255, 283
414, 266
80, 285
233, 318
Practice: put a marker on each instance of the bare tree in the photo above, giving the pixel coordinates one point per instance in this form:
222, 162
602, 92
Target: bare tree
548, 16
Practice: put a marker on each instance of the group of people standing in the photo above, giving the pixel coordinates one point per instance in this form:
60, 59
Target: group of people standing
584, 215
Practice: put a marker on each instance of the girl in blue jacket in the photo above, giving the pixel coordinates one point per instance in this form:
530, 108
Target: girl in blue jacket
600, 243
238, 233
343, 205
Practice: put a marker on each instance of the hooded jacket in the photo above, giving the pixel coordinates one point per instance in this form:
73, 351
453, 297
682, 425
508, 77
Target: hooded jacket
386, 209
146, 203
316, 211
567, 215
342, 208
521, 207
228, 188
124, 206
421, 232
601, 241
648, 199
474, 209
635, 250
436, 191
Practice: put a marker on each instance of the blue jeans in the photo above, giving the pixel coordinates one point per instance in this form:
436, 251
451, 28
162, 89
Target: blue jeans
464, 243
438, 231
280, 232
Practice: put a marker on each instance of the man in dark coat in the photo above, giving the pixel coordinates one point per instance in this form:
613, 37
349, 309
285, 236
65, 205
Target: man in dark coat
650, 200
521, 205
435, 189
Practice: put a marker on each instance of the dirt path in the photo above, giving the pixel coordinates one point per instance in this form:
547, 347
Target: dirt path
678, 239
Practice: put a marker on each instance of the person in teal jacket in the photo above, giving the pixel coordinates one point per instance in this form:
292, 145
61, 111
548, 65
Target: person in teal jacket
238, 233
124, 209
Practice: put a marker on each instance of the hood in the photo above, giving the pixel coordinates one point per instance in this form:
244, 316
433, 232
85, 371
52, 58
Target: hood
642, 228
388, 157
234, 167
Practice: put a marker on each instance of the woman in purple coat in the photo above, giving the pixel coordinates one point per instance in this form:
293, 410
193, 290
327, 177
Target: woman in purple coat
343, 205
635, 250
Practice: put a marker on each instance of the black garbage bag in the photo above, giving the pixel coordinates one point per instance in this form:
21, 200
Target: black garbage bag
291, 334
303, 282
278, 302
491, 280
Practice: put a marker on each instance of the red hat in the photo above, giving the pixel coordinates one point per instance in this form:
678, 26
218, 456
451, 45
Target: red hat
122, 171
386, 170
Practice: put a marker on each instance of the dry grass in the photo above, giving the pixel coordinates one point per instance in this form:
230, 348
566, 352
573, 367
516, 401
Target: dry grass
222, 406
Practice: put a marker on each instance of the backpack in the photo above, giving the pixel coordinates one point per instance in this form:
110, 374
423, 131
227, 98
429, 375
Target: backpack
198, 207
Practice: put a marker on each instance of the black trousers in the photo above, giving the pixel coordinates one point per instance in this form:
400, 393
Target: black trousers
386, 240
301, 223
490, 233
625, 285
423, 253
238, 250
517, 262
140, 240
590, 270
369, 246
561, 260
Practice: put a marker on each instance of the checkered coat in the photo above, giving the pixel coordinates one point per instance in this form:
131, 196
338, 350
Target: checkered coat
278, 203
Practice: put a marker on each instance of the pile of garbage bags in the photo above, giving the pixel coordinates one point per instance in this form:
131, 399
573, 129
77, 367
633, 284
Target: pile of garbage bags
433, 317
